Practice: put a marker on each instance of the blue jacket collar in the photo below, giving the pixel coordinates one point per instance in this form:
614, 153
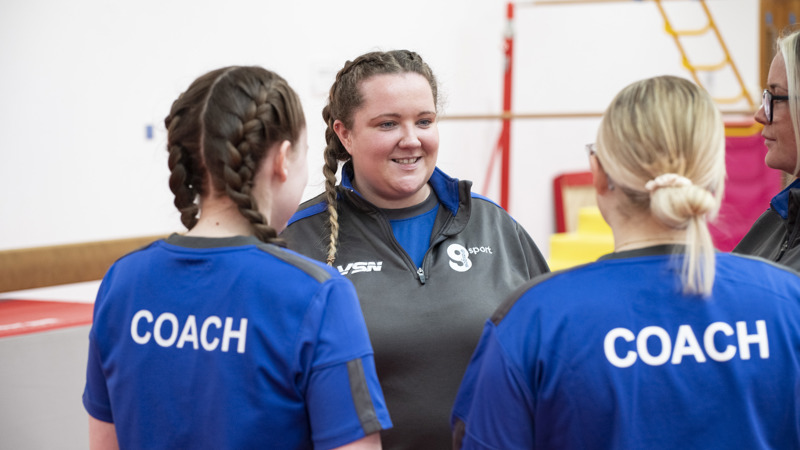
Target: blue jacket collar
780, 203
445, 187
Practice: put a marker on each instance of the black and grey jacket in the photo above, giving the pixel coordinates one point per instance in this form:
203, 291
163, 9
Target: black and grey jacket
424, 322
776, 234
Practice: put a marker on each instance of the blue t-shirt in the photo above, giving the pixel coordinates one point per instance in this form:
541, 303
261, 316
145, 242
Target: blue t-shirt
230, 343
613, 355
412, 227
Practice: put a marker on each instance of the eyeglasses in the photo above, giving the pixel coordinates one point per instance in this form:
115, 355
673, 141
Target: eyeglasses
591, 149
767, 99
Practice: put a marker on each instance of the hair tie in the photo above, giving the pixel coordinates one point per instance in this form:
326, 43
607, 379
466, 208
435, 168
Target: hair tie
667, 180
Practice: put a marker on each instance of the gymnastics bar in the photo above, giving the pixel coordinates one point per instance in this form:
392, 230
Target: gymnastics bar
576, 2
552, 115
35, 267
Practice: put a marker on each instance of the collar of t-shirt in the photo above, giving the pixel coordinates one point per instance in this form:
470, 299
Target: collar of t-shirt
413, 226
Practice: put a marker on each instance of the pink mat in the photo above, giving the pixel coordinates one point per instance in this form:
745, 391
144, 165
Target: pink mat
749, 188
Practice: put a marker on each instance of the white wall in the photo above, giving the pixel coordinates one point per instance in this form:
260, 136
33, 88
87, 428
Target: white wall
81, 81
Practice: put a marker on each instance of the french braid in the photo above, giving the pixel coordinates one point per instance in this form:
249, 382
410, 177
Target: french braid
181, 185
223, 126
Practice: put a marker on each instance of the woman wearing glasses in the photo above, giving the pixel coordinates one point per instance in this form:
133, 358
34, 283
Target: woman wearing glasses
662, 344
776, 234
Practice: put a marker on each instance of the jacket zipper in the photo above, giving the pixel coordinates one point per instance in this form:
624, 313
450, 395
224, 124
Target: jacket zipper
439, 238
783, 249
388, 229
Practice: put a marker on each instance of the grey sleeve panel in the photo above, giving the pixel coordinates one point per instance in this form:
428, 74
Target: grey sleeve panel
362, 398
313, 268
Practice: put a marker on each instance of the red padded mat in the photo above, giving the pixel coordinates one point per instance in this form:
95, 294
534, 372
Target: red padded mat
28, 316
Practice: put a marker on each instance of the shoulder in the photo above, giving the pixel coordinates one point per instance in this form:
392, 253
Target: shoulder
764, 273
476, 198
767, 221
135, 258
484, 205
310, 208
315, 269
542, 289
740, 260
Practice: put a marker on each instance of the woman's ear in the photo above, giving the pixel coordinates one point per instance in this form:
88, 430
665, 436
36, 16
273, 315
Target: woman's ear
602, 183
280, 163
343, 133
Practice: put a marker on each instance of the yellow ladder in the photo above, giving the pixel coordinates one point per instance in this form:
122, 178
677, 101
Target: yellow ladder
694, 68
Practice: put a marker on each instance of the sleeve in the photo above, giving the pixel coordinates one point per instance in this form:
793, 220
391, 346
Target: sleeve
494, 406
537, 264
344, 399
95, 393
96, 399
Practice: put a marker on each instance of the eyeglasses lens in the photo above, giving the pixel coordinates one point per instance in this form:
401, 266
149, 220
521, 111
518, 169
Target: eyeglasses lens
766, 102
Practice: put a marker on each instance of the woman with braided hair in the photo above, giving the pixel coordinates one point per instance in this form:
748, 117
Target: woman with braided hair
430, 260
220, 338
662, 344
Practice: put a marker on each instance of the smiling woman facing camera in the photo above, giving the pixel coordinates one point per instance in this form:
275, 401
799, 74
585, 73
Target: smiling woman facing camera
776, 234
429, 259
662, 344
219, 338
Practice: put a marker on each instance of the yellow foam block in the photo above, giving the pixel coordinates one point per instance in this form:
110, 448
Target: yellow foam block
592, 240
591, 221
584, 247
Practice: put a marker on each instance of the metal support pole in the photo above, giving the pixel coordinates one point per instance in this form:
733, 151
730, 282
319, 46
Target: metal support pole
505, 135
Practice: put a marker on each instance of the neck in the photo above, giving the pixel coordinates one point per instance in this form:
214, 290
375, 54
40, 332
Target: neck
395, 203
219, 217
644, 231
633, 244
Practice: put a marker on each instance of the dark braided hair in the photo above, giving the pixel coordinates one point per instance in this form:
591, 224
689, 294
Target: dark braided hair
219, 131
344, 99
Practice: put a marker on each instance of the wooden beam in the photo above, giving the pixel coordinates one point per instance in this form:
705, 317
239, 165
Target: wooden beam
35, 267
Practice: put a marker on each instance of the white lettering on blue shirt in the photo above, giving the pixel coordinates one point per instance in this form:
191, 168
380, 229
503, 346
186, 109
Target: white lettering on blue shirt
686, 344
188, 332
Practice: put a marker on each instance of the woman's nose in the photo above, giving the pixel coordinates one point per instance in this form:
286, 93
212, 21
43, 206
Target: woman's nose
761, 116
410, 138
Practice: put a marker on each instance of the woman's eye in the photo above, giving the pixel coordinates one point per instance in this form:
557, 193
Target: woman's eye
425, 122
386, 125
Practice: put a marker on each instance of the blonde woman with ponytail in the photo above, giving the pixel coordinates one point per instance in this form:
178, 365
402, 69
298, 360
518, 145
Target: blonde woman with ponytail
430, 259
776, 234
661, 344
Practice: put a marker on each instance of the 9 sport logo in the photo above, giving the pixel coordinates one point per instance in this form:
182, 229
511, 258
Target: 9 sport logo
459, 256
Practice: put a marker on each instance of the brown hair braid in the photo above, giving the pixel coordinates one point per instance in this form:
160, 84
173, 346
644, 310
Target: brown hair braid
344, 99
219, 131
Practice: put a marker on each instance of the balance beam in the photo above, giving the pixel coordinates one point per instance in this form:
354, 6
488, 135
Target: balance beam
35, 267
